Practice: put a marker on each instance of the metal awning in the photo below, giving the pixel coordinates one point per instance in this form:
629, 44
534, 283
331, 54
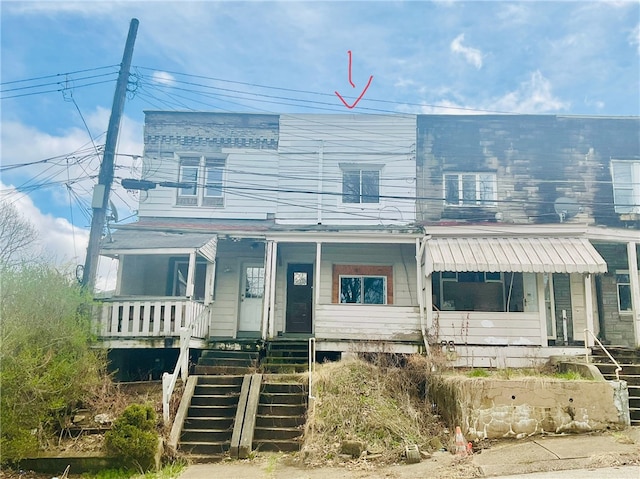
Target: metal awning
522, 254
159, 242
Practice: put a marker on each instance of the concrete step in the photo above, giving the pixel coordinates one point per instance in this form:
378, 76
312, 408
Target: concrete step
299, 388
276, 433
221, 353
211, 411
235, 379
217, 400
283, 398
283, 368
228, 362
215, 423
208, 448
222, 370
277, 446
280, 421
205, 435
216, 389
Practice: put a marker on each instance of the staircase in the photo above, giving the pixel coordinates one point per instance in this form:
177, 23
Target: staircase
207, 429
629, 359
281, 416
227, 362
286, 356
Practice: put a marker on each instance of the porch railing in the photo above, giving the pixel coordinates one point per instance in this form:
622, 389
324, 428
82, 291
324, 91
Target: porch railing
182, 365
151, 317
588, 332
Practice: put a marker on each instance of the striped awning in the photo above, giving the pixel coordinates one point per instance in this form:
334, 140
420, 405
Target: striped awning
522, 254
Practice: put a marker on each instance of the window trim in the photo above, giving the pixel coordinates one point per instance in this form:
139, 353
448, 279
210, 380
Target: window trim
200, 198
633, 186
621, 272
361, 169
351, 270
478, 201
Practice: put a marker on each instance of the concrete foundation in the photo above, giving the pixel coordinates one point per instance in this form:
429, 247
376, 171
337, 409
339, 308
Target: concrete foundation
487, 408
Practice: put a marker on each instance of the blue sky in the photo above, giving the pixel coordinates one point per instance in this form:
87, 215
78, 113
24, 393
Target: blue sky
574, 58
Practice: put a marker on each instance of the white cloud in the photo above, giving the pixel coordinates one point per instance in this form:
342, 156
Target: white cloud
163, 78
471, 55
532, 96
59, 242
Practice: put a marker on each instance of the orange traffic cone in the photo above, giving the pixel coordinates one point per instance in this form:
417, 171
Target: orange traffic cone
460, 443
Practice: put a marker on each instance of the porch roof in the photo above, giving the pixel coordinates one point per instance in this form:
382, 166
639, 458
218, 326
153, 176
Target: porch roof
522, 254
159, 242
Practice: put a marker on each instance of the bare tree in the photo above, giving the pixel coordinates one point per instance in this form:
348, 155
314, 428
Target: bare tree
17, 234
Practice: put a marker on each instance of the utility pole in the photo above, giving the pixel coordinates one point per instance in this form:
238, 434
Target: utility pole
101, 191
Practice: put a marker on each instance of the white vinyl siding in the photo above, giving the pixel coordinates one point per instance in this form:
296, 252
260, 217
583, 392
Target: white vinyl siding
321, 154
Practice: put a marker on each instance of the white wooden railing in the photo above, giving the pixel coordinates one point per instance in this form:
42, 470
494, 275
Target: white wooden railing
588, 332
131, 318
182, 365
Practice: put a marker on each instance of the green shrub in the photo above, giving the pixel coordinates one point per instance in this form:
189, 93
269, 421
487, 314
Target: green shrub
47, 365
133, 437
478, 373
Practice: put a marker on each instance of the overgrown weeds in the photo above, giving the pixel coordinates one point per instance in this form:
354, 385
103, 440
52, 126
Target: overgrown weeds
381, 403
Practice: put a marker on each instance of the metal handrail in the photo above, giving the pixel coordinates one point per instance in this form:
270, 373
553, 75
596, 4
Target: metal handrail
312, 364
586, 347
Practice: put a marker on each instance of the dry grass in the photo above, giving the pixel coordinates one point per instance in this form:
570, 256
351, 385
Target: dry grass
381, 403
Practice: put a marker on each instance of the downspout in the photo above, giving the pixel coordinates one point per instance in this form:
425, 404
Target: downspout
420, 247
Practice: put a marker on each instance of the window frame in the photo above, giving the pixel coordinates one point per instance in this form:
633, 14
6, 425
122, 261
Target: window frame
363, 172
362, 293
631, 186
203, 165
622, 272
365, 271
482, 196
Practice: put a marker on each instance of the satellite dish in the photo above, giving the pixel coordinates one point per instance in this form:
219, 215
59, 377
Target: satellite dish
114, 212
566, 208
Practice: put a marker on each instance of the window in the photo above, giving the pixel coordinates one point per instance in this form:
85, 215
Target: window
360, 186
478, 291
363, 289
470, 189
362, 284
626, 186
624, 292
205, 177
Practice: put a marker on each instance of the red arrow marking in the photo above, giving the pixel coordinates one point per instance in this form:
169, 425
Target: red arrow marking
353, 86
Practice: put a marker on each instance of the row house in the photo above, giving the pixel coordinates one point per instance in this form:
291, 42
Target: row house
258, 228
504, 237
532, 226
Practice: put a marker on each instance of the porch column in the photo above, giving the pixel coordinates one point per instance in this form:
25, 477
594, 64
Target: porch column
422, 290
542, 310
272, 288
191, 274
632, 259
266, 316
588, 300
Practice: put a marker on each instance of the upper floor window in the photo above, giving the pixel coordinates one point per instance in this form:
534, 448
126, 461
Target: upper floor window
360, 186
205, 179
626, 186
470, 189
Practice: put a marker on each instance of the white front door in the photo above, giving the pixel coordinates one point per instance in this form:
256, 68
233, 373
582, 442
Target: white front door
251, 295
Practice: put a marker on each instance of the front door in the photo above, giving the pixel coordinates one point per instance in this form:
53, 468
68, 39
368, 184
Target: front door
251, 294
299, 298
